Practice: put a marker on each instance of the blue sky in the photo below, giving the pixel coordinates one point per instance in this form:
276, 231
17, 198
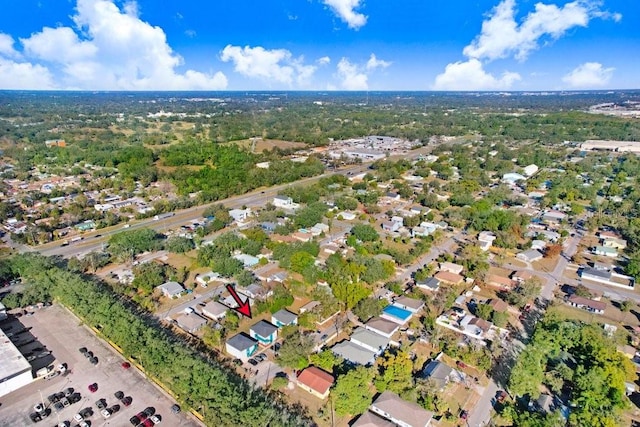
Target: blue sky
320, 44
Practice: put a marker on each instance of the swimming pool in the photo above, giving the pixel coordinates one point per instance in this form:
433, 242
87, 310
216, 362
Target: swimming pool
397, 312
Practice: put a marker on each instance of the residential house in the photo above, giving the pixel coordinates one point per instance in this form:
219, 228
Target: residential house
284, 202
410, 304
498, 305
614, 242
485, 239
256, 291
553, 216
191, 322
369, 419
521, 276
605, 251
315, 381
353, 353
449, 277
500, 282
171, 289
430, 284
610, 278
214, 310
393, 196
390, 226
530, 255
319, 228
530, 169
451, 267
425, 229
240, 216
587, 304
241, 346
264, 332
310, 306
284, 318
370, 340
382, 326
268, 227
302, 236
205, 278
347, 216
512, 178
538, 244
440, 373
247, 260
399, 411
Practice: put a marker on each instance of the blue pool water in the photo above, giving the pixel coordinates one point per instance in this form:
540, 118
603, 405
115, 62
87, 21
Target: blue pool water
398, 312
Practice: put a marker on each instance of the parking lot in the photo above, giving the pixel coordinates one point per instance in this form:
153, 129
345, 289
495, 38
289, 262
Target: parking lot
58, 331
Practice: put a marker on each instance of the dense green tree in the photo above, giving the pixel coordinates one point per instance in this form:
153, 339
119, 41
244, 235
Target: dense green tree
367, 308
365, 233
352, 393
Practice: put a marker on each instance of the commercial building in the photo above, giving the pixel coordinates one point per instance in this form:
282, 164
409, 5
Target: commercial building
15, 371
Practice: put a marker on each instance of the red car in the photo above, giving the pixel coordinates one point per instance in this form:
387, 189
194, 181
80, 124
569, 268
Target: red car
461, 364
147, 423
126, 365
93, 387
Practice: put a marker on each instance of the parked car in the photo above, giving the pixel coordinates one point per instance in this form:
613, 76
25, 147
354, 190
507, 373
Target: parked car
126, 401
93, 360
253, 362
501, 395
83, 350
126, 365
93, 387
156, 419
460, 364
101, 404
39, 407
68, 391
106, 412
58, 406
150, 410
78, 418
464, 415
175, 409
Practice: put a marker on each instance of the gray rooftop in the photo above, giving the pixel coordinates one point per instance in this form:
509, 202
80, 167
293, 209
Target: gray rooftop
382, 325
12, 362
369, 419
415, 304
241, 342
214, 308
284, 316
598, 273
370, 338
399, 409
353, 353
171, 288
263, 328
438, 372
191, 321
431, 283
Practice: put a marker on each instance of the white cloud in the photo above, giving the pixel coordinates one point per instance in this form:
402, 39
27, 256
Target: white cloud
268, 64
325, 60
351, 78
355, 76
345, 10
374, 63
502, 36
6, 46
24, 75
470, 75
589, 75
113, 49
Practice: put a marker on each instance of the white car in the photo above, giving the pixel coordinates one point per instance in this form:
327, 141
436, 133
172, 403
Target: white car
106, 413
156, 419
78, 418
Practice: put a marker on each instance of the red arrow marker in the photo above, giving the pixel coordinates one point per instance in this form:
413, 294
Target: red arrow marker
243, 306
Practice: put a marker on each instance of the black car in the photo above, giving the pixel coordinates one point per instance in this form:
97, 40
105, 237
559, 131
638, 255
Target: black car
93, 360
35, 417
88, 354
118, 395
134, 420
101, 404
253, 362
58, 406
149, 411
86, 412
83, 350
68, 391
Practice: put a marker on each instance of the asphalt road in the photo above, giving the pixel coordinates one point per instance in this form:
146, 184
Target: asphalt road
435, 251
